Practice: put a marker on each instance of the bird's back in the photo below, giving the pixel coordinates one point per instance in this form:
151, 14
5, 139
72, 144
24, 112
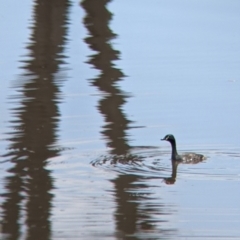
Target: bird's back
192, 158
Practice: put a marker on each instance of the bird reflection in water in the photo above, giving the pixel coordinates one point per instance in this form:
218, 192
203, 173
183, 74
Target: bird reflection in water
171, 180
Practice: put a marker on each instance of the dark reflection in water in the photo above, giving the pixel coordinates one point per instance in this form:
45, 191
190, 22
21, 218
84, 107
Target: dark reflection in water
172, 179
29, 184
128, 192
96, 22
130, 218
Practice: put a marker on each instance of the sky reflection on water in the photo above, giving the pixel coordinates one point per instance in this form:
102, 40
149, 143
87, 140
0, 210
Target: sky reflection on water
99, 84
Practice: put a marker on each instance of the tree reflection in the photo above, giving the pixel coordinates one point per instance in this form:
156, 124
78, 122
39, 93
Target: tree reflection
132, 216
33, 139
100, 35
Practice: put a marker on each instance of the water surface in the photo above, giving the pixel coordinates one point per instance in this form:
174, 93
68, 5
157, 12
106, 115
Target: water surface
87, 91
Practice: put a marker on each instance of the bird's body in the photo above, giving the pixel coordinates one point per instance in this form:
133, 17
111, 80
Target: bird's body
185, 158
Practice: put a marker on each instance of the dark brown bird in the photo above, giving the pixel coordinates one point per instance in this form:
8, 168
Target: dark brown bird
190, 158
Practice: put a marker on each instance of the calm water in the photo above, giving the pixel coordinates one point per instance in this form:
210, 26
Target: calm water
87, 91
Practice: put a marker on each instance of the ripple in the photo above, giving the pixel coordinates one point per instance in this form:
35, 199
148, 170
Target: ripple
152, 162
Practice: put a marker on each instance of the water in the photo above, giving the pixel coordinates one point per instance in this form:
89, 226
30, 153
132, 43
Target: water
88, 90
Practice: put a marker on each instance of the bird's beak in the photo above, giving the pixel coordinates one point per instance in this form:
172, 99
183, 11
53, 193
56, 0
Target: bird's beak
162, 139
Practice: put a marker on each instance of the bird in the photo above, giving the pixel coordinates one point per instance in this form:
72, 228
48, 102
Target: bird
188, 158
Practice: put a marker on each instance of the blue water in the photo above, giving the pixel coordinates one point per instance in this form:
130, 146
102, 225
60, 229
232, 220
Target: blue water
87, 92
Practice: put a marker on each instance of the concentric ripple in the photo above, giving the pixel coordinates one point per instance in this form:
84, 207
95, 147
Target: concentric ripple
152, 162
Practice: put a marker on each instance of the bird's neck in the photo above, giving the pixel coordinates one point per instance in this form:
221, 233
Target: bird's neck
174, 149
